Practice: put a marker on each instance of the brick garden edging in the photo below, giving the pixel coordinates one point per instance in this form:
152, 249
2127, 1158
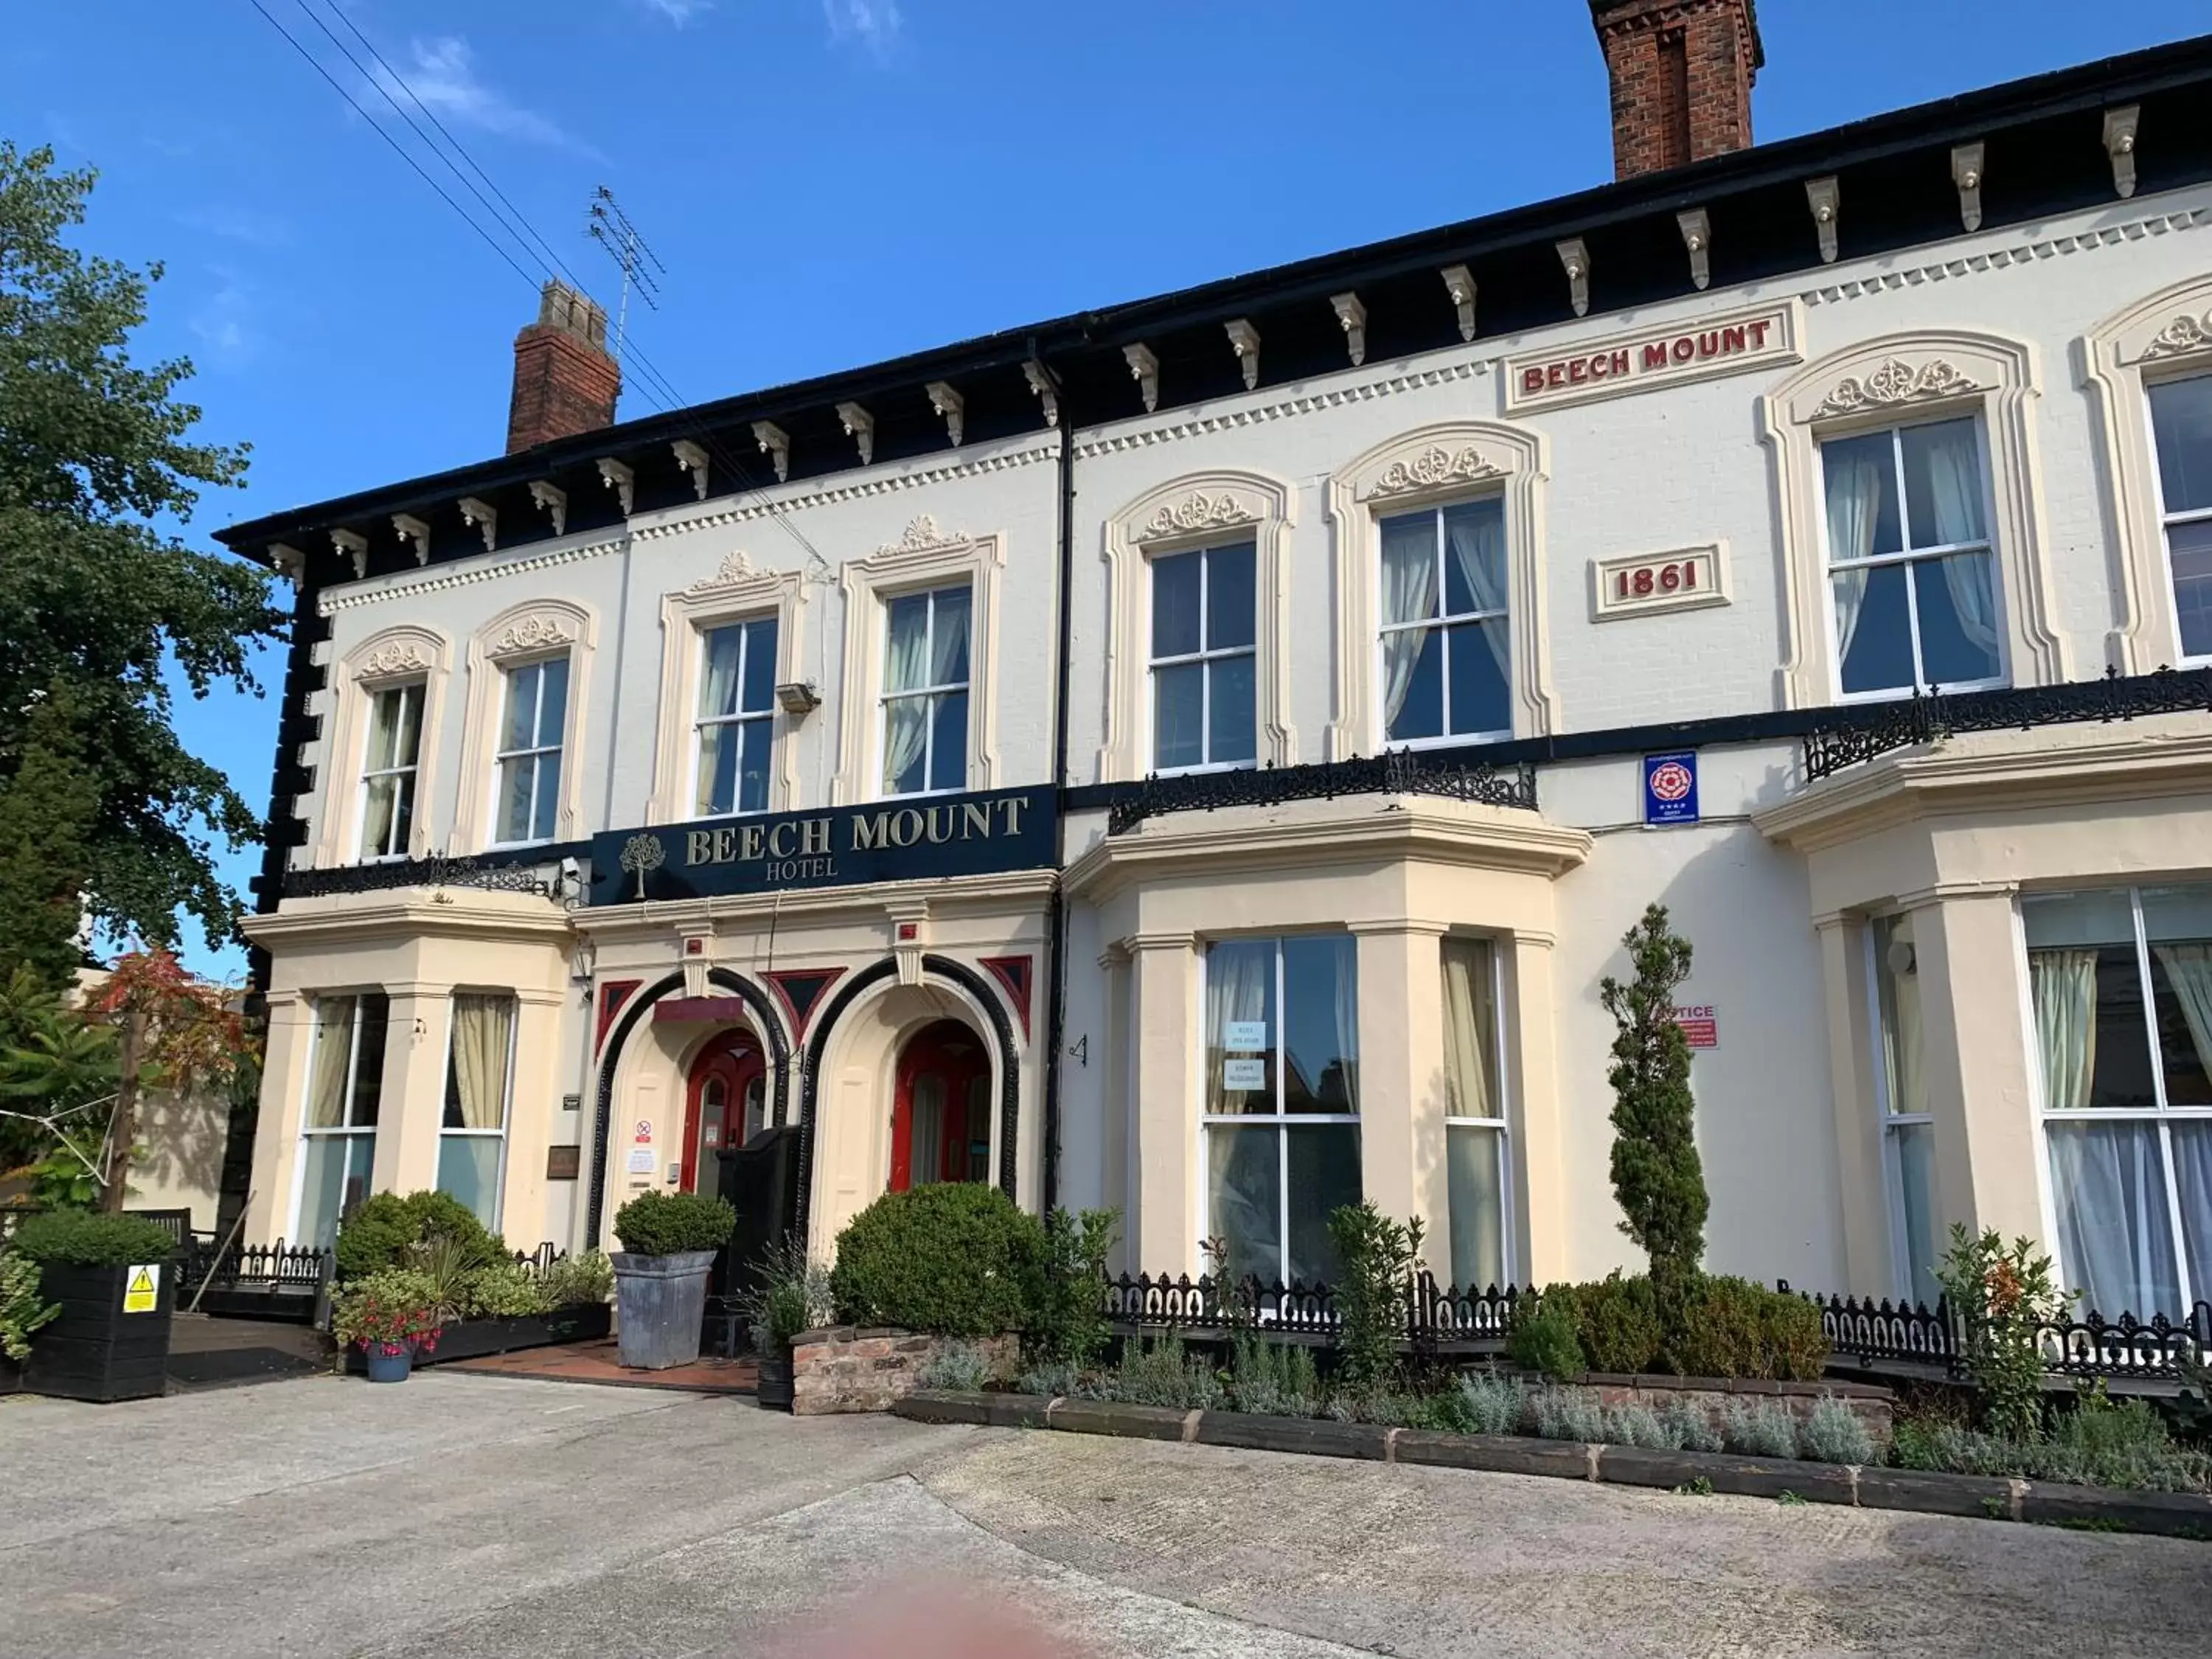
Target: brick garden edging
2176, 1515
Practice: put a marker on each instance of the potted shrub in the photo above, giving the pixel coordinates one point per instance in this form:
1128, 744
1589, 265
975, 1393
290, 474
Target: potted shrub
388, 1315
109, 1277
791, 1295
668, 1244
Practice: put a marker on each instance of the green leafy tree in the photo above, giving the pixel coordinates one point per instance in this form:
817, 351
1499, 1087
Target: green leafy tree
1656, 1175
103, 812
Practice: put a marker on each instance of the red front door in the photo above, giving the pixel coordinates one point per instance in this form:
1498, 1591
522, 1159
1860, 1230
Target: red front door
723, 1105
940, 1112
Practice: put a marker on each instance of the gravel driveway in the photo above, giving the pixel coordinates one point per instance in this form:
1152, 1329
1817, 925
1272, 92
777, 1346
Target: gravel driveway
485, 1515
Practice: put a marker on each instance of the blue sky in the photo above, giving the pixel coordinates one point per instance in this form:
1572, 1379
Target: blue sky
829, 181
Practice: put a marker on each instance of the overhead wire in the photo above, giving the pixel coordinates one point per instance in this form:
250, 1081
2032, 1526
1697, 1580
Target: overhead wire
516, 225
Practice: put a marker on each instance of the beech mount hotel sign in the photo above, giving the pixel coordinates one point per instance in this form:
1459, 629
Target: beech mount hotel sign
1729, 343
925, 839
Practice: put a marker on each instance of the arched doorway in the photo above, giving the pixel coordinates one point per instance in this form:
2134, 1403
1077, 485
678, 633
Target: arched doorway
725, 1105
941, 1107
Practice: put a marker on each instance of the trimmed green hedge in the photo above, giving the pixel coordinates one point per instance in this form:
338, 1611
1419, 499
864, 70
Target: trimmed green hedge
674, 1223
955, 1258
383, 1228
92, 1238
1725, 1328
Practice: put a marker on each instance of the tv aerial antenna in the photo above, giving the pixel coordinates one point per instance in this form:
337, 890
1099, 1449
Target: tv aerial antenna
611, 228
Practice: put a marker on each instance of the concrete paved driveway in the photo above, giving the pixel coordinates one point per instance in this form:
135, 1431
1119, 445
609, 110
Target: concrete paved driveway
483, 1516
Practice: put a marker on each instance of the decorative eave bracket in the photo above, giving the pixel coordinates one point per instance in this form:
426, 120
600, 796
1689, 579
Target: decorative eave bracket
1046, 387
1698, 237
1966, 174
288, 562
1575, 259
951, 405
1145, 370
860, 427
1351, 318
622, 480
2120, 124
1459, 282
554, 501
354, 547
1823, 198
774, 443
1244, 341
483, 516
415, 531
693, 459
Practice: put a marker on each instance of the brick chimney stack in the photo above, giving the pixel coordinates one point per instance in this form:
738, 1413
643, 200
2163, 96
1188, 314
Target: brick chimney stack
564, 381
1681, 74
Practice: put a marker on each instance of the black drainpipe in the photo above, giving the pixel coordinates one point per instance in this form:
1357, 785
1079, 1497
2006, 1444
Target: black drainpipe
1056, 918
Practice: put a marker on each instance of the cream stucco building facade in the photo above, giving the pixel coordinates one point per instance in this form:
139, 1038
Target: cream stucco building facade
1200, 759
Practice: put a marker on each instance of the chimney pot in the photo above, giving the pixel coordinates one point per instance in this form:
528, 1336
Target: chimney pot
565, 382
1681, 73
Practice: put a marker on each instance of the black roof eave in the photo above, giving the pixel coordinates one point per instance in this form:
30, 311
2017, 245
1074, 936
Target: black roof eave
1964, 117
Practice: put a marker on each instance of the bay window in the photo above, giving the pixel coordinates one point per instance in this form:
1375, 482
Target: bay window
924, 698
528, 763
2120, 983
472, 1128
1447, 640
1279, 1135
2181, 424
1912, 576
735, 725
1476, 1167
1203, 656
1908, 1150
345, 1086
388, 778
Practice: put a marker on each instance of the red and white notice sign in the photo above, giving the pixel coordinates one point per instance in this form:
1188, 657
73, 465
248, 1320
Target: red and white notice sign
1701, 1025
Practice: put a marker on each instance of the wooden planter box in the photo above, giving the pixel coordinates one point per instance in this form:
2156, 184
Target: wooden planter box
472, 1338
94, 1349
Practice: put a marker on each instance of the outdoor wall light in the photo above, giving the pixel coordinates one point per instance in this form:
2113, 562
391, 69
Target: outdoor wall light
799, 697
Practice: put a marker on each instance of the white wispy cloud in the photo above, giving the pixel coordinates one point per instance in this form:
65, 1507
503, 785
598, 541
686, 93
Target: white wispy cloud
678, 12
874, 26
239, 224
223, 322
443, 75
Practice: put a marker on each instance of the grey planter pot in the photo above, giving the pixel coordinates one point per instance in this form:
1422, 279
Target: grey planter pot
660, 1303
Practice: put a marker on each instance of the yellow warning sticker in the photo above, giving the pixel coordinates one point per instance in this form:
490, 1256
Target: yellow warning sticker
141, 1291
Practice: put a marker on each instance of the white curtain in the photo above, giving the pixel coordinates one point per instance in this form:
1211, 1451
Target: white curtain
2063, 986
2189, 971
2113, 1233
326, 1103
2192, 1174
906, 719
718, 686
948, 638
1470, 1032
1345, 960
483, 1026
1409, 594
1478, 546
1954, 483
1237, 976
1855, 482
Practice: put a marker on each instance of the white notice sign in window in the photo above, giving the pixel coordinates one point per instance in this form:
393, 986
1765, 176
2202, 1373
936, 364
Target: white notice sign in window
1244, 1035
1243, 1073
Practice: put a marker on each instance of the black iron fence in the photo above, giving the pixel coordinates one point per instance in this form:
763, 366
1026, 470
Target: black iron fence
280, 1281
1444, 1319
1915, 1334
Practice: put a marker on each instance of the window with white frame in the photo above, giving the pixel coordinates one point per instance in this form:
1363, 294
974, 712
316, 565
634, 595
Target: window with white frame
528, 763
1911, 577
345, 1084
2181, 423
1477, 1169
925, 697
1908, 1132
388, 777
1447, 642
737, 717
1279, 1135
472, 1130
2120, 983
1203, 658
